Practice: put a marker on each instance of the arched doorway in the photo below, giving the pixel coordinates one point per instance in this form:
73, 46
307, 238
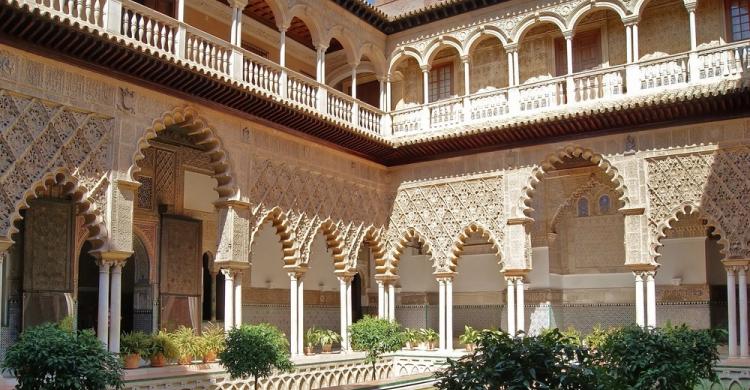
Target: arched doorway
356, 298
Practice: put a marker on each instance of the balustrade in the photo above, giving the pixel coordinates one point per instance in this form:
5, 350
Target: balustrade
260, 73
446, 113
542, 94
601, 83
489, 105
89, 11
663, 72
370, 118
155, 30
407, 120
301, 90
339, 105
207, 51
724, 61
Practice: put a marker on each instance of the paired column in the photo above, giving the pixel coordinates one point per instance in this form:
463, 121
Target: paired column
465, 60
632, 72
238, 298
236, 31
513, 78
228, 299
516, 303
321, 76
102, 326
345, 299
645, 312
387, 299
737, 286
297, 305
110, 298
569, 85
381, 298
282, 61
115, 306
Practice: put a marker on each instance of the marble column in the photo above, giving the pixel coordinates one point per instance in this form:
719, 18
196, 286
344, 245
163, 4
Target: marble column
441, 311
629, 44
449, 314
640, 312
381, 299
742, 286
732, 311
467, 78
392, 300
238, 298
520, 305
345, 309
693, 28
511, 296
426, 84
228, 299
300, 314
102, 326
115, 303
293, 312
636, 50
511, 72
650, 299
569, 53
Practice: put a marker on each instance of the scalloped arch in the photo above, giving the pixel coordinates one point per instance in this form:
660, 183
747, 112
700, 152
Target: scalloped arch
585, 8
391, 266
204, 136
374, 240
334, 241
280, 222
93, 222
687, 208
524, 25
460, 241
570, 152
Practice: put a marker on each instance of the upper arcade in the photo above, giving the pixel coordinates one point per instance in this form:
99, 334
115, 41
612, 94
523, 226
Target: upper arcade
410, 87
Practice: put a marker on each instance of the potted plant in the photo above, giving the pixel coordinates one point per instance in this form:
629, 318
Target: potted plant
132, 346
469, 338
161, 348
212, 342
186, 342
429, 337
327, 338
312, 338
412, 337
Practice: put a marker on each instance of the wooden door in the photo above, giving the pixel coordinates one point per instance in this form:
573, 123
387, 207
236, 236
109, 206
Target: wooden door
180, 270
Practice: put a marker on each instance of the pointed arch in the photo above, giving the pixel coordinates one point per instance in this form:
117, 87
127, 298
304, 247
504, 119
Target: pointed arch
687, 208
202, 135
334, 241
586, 8
532, 20
280, 221
410, 234
460, 241
438, 45
571, 152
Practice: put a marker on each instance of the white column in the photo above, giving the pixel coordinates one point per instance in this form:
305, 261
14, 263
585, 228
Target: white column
387, 94
300, 313
640, 313
732, 311
449, 314
742, 280
343, 309
181, 38
426, 84
693, 33
115, 303
628, 44
282, 46
236, 33
381, 100
349, 300
569, 52
441, 318
102, 326
238, 299
321, 64
650, 299
228, 299
511, 72
636, 51
467, 77
354, 81
381, 299
293, 312
392, 300
511, 295
516, 69
520, 305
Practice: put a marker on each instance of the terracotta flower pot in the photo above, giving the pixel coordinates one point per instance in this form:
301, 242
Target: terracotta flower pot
158, 360
470, 347
209, 357
185, 360
132, 361
327, 348
309, 351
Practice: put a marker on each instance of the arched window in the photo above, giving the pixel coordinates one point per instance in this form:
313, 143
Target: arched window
604, 204
583, 207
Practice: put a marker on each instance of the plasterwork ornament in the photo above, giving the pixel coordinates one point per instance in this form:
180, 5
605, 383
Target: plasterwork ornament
44, 142
714, 183
7, 63
439, 212
126, 100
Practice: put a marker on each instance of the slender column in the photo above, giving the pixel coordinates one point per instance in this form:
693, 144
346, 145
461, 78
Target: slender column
511, 72
381, 299
354, 81
343, 308
300, 313
693, 32
102, 326
732, 311
236, 33
449, 314
516, 70
640, 313
636, 52
293, 311
321, 65
392, 300
426, 83
238, 299
467, 78
213, 296
520, 305
511, 294
282, 46
441, 325
180, 40
569, 52
228, 299
387, 94
349, 300
742, 280
628, 44
650, 299
381, 86
115, 303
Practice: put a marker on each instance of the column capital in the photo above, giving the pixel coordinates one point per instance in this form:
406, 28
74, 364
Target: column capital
520, 221
241, 4
345, 277
113, 258
631, 20
5, 244
125, 184
511, 47
232, 203
568, 35
425, 68
465, 58
643, 267
386, 278
690, 5
231, 265
735, 265
515, 273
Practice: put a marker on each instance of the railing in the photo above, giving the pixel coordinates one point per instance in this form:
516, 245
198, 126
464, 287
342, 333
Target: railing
446, 112
143, 26
149, 27
601, 83
665, 71
487, 105
542, 94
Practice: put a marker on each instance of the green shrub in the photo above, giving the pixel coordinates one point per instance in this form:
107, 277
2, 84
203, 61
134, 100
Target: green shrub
255, 350
470, 336
212, 339
48, 357
161, 343
328, 337
670, 358
135, 343
186, 343
412, 336
376, 336
312, 337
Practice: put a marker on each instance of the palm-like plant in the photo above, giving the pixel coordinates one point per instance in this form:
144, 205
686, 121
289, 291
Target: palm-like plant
326, 338
186, 342
429, 336
469, 338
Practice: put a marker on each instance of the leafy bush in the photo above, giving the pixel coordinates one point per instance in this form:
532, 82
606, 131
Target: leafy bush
412, 337
547, 361
376, 336
430, 336
161, 343
212, 339
470, 336
186, 343
134, 343
48, 357
255, 350
670, 358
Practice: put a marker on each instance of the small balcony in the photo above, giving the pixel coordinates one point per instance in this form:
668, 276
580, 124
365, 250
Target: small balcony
160, 35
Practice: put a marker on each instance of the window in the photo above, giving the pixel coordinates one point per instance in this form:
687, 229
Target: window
583, 207
441, 82
739, 19
604, 204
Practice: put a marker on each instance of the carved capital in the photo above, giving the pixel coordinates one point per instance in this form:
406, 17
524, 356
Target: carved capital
5, 244
425, 68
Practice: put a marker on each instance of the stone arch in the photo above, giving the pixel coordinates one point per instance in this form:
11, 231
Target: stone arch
570, 152
440, 43
344, 36
526, 24
279, 11
686, 208
150, 251
202, 135
458, 243
280, 222
410, 234
344, 72
305, 13
586, 8
482, 33
92, 219
402, 55
334, 241
376, 57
